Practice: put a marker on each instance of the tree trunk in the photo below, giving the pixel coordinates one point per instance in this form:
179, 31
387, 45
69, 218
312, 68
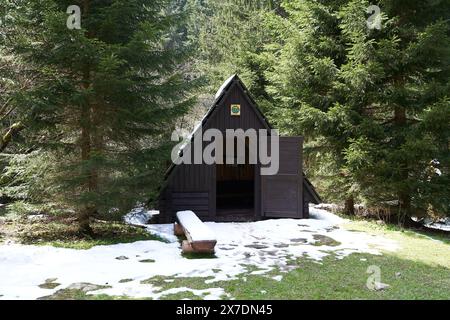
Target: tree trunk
404, 208
88, 209
84, 221
404, 196
399, 115
86, 212
349, 207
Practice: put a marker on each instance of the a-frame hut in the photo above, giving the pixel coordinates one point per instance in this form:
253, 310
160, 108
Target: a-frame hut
222, 192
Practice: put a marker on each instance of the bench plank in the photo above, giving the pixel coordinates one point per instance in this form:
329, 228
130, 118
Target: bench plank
200, 238
197, 230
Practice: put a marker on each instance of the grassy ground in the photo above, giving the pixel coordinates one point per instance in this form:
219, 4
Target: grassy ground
61, 231
420, 269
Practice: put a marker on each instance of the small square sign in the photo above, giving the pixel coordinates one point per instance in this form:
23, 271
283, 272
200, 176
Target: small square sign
235, 109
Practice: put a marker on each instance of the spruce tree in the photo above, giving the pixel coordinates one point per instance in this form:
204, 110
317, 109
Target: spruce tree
373, 104
107, 97
303, 75
230, 37
396, 82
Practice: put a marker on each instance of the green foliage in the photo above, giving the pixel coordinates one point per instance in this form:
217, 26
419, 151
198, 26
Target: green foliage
24, 176
61, 231
89, 112
230, 37
366, 99
105, 100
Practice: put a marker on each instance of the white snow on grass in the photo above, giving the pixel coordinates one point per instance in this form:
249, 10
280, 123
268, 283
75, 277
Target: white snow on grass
240, 248
163, 231
139, 216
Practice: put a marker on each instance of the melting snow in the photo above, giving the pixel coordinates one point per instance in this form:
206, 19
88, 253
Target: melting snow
258, 247
197, 230
140, 216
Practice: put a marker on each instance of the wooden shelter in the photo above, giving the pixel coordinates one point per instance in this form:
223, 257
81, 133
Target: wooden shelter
221, 192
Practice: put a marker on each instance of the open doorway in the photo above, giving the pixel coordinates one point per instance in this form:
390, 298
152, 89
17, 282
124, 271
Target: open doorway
235, 187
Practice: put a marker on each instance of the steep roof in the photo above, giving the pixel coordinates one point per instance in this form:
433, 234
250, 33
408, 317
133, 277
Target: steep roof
307, 185
220, 94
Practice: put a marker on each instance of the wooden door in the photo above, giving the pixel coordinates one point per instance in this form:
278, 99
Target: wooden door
282, 193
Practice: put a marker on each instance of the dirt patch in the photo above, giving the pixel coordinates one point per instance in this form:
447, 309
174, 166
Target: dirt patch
165, 283
49, 284
331, 229
76, 291
299, 240
147, 261
321, 240
257, 246
62, 231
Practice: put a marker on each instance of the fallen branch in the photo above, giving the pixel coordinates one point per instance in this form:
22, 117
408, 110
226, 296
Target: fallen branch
7, 137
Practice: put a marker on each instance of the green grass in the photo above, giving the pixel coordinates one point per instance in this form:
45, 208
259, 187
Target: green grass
49, 284
107, 234
125, 280
198, 283
414, 246
60, 231
346, 279
75, 294
193, 255
420, 269
81, 292
181, 295
147, 261
321, 240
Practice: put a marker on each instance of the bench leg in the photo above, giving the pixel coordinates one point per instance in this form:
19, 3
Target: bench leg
178, 230
186, 247
204, 246
197, 247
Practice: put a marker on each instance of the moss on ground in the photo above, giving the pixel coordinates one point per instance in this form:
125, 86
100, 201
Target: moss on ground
62, 231
49, 284
419, 269
321, 240
166, 283
125, 280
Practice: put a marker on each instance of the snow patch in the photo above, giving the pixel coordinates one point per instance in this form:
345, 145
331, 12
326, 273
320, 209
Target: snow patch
198, 231
224, 85
139, 216
257, 247
163, 231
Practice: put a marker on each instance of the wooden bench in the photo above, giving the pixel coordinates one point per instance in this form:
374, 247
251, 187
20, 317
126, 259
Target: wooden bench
200, 238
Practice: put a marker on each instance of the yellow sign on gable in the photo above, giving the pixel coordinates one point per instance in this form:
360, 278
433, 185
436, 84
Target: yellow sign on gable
235, 109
